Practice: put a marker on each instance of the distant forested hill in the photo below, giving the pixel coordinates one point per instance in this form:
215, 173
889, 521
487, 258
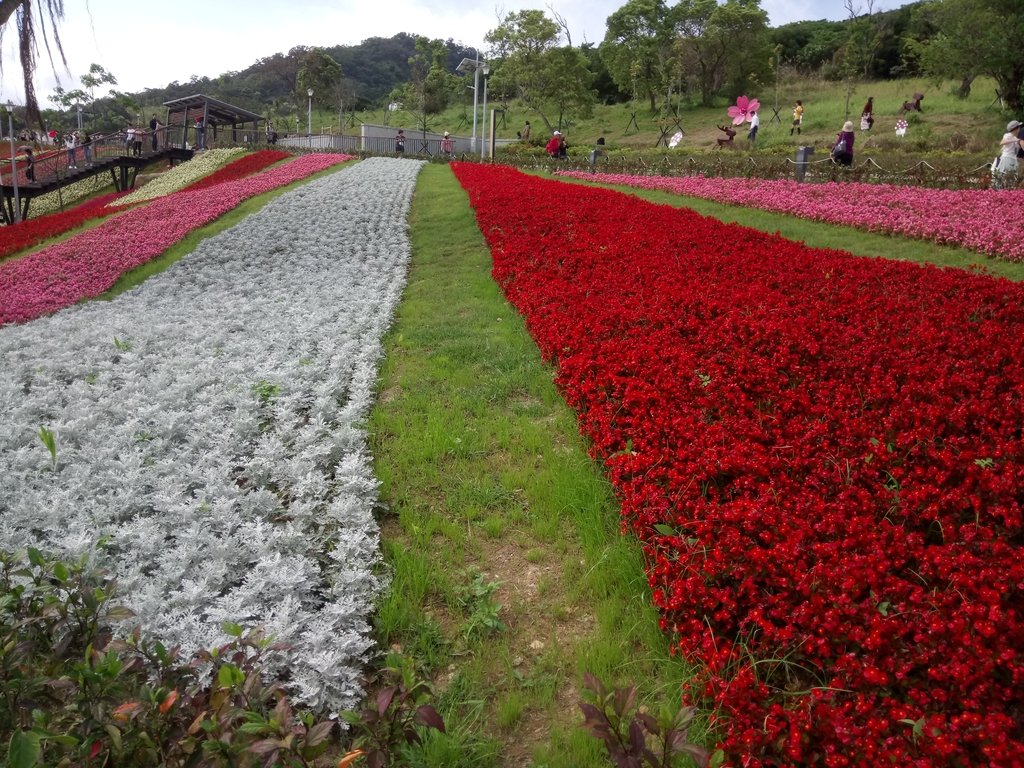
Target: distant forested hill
870, 47
371, 70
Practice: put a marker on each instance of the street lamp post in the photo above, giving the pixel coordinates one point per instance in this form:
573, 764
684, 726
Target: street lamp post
9, 109
309, 113
476, 65
486, 72
79, 106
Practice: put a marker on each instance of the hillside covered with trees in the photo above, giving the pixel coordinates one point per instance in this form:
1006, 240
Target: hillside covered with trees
665, 57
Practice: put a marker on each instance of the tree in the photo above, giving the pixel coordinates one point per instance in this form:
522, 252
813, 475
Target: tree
345, 95
720, 44
863, 38
608, 91
528, 58
91, 80
977, 37
808, 46
637, 47
428, 87
317, 71
866, 30
48, 12
95, 77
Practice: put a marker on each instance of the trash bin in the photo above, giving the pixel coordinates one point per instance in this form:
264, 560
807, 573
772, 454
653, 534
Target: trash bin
803, 157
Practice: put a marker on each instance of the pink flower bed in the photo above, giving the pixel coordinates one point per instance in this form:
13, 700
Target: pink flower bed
89, 264
18, 237
973, 219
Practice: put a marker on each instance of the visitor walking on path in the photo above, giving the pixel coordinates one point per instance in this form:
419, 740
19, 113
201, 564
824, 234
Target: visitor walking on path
71, 144
87, 148
200, 133
400, 141
557, 146
798, 117
842, 150
867, 116
755, 123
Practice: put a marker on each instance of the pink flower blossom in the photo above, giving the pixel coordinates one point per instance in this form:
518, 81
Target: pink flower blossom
744, 110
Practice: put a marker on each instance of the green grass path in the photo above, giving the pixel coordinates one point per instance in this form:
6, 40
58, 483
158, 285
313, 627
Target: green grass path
510, 575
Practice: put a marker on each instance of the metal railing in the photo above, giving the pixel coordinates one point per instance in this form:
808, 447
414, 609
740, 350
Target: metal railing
52, 163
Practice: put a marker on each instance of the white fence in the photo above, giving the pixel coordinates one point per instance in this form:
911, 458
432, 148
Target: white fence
381, 140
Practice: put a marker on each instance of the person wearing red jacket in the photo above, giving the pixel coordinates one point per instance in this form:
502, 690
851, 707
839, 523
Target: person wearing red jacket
556, 147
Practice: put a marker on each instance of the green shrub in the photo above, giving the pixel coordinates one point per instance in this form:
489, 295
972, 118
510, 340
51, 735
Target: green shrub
72, 694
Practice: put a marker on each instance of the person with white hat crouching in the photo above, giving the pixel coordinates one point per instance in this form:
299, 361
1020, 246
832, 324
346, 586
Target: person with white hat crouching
1004, 167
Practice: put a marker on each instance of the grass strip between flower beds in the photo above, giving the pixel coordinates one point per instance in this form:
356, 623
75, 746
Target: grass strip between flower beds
822, 454
485, 476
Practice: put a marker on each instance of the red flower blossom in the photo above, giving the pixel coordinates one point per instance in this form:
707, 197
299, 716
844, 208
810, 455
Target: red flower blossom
822, 457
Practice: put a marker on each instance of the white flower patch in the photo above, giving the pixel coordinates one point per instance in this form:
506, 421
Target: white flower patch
209, 428
183, 174
69, 196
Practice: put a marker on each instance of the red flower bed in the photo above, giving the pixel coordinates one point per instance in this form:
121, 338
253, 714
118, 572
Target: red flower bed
240, 168
18, 237
821, 454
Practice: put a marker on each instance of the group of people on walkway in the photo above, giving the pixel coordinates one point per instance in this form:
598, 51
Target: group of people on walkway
72, 142
135, 136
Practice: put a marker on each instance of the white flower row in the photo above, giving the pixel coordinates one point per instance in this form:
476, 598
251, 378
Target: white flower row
209, 428
66, 197
180, 176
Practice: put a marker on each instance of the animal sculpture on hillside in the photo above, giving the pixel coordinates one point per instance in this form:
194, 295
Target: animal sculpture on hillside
730, 134
914, 105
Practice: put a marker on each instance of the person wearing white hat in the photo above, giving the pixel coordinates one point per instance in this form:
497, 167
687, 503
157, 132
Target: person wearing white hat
556, 147
842, 150
1005, 166
447, 147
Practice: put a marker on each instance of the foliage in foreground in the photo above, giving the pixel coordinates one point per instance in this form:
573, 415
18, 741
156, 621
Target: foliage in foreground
629, 733
72, 694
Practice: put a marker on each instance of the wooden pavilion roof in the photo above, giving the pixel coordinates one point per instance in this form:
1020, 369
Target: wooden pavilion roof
216, 112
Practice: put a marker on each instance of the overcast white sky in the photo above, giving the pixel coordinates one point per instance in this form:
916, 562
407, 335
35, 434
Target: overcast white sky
150, 43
